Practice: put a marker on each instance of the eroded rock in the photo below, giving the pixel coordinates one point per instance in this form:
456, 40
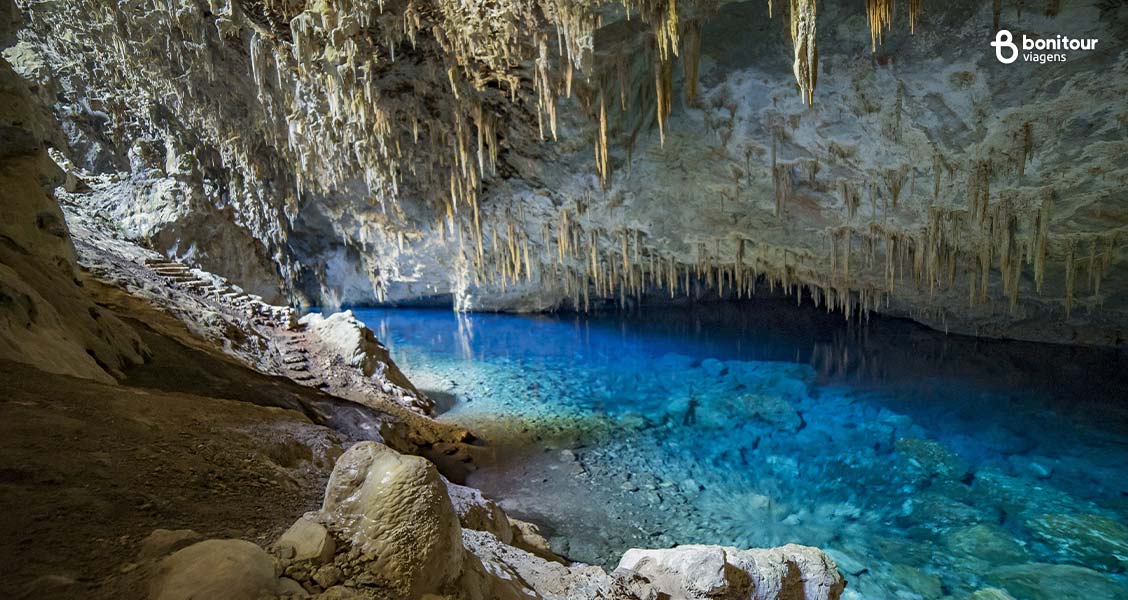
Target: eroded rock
395, 509
475, 511
698, 572
230, 569
306, 540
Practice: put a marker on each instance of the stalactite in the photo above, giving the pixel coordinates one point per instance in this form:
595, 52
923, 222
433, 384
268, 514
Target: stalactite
1027, 147
691, 59
1041, 240
663, 85
806, 64
914, 14
1070, 275
880, 14
603, 165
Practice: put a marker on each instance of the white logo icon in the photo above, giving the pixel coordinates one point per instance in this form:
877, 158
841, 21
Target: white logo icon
1004, 39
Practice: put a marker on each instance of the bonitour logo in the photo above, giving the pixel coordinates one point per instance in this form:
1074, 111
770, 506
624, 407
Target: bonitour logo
1035, 49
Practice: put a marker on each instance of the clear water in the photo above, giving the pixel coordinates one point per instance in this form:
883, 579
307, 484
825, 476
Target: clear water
928, 466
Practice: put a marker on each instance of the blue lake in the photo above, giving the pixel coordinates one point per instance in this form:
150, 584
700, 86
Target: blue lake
928, 466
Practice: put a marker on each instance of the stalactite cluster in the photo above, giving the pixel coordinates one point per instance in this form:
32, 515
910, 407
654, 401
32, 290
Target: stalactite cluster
436, 101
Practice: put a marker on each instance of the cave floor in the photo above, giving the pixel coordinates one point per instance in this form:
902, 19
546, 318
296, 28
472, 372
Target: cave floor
88, 470
928, 466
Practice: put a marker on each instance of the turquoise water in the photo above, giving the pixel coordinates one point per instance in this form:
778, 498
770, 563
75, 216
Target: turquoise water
928, 466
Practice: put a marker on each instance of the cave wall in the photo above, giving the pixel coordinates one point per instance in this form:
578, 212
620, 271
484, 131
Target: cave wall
533, 155
46, 317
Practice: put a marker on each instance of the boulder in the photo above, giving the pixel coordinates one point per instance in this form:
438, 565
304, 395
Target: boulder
496, 571
932, 458
527, 537
1037, 581
991, 594
987, 542
162, 542
395, 509
773, 410
683, 572
1089, 540
714, 572
308, 540
229, 569
475, 511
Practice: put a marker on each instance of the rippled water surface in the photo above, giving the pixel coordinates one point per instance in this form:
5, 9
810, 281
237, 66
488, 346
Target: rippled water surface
928, 466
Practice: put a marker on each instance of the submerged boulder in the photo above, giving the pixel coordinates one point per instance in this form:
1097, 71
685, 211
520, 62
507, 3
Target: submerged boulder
1089, 540
773, 410
1035, 581
987, 542
932, 458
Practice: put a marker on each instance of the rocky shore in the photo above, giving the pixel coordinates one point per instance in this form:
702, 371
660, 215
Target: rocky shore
390, 525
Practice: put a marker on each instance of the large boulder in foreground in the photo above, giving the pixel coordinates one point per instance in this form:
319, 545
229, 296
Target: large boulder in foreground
230, 569
723, 573
394, 511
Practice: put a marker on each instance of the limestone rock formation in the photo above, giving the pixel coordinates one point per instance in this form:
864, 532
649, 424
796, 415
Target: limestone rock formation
534, 155
395, 508
348, 340
307, 540
479, 513
162, 542
46, 318
698, 572
388, 529
233, 569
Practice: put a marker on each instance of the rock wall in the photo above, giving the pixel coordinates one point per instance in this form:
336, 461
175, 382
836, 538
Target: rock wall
532, 155
46, 318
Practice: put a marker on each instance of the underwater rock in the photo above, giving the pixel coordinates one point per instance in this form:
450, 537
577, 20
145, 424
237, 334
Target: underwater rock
925, 585
395, 509
987, 542
232, 569
714, 572
1021, 497
774, 410
1037, 581
991, 594
847, 562
1089, 540
932, 458
714, 367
